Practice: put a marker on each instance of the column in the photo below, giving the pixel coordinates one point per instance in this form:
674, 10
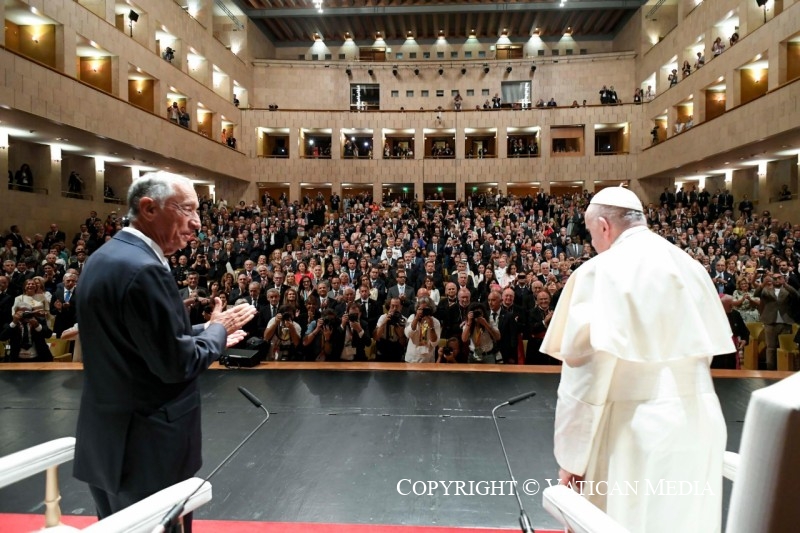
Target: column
377, 147
672, 119
501, 143
119, 79
419, 148
588, 140
3, 142
733, 89
97, 188
460, 139
53, 178
777, 65
294, 191
66, 50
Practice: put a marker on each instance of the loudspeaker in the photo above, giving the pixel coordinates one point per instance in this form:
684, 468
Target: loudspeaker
761, 3
133, 16
239, 358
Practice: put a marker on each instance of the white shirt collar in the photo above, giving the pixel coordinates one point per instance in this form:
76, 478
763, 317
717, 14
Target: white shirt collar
151, 243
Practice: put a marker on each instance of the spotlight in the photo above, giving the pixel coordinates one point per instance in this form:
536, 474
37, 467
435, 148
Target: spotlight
533, 69
416, 72
463, 71
508, 69
370, 73
348, 72
133, 16
485, 68
441, 71
394, 70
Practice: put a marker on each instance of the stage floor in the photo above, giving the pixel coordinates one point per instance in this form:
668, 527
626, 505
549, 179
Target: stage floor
339, 442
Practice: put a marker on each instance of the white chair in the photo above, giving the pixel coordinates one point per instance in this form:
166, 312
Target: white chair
31, 461
765, 472
141, 517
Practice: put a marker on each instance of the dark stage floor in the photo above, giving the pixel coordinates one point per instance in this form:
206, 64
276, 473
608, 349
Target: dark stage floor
338, 442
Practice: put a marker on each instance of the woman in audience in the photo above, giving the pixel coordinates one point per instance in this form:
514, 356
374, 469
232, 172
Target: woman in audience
485, 286
717, 47
227, 283
745, 302
292, 299
433, 292
302, 272
686, 69
306, 288
330, 271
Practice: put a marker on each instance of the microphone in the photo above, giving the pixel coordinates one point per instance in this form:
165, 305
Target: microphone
524, 519
177, 509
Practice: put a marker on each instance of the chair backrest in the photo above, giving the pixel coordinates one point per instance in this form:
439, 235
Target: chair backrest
26, 463
143, 516
786, 342
764, 496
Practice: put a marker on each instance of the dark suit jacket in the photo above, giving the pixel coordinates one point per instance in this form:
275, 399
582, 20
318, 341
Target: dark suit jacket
730, 283
139, 421
6, 303
508, 326
65, 318
38, 338
371, 317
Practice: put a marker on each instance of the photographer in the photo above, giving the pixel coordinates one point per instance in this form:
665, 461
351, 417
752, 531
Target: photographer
423, 331
319, 340
283, 334
354, 333
451, 352
481, 336
27, 334
390, 334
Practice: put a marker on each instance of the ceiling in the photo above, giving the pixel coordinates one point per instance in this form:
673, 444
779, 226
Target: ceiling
294, 22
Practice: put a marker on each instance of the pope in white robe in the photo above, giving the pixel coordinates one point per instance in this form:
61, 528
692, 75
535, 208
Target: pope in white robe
638, 421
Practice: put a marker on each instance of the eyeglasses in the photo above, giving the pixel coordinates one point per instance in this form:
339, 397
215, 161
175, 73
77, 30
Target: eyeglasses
185, 210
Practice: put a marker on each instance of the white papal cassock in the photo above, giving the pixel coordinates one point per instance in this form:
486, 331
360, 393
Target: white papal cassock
636, 327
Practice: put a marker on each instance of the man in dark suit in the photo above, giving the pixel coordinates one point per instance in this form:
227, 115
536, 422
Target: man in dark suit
6, 301
53, 236
722, 279
27, 333
402, 290
371, 310
62, 307
508, 325
139, 422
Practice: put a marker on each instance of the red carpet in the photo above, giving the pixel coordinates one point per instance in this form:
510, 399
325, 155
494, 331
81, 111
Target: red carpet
25, 523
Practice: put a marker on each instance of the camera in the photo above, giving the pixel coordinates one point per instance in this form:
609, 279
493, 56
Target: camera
477, 313
286, 317
427, 311
27, 315
352, 317
396, 319
447, 351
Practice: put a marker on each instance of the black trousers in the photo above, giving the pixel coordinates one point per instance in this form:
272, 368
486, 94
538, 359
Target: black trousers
108, 504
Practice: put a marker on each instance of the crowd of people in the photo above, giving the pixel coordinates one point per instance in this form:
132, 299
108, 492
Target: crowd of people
450, 282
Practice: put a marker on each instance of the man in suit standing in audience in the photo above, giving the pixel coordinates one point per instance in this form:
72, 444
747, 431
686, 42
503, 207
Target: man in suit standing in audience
776, 297
62, 306
139, 421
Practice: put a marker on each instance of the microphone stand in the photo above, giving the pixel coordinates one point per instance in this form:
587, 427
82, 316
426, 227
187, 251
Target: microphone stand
177, 509
524, 519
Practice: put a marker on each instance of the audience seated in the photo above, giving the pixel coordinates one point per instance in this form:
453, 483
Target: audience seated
308, 270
